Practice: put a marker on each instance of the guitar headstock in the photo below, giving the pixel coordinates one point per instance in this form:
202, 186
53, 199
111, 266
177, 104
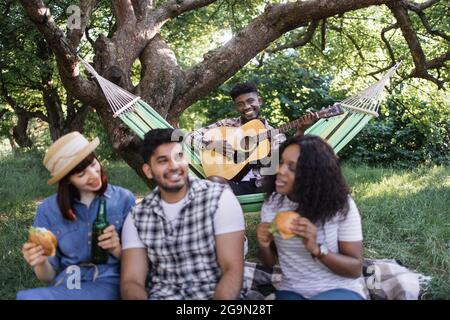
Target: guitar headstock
331, 111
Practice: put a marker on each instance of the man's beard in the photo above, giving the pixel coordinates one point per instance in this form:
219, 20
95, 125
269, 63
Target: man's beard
170, 188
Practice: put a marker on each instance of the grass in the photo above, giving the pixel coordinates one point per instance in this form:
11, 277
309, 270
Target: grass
405, 214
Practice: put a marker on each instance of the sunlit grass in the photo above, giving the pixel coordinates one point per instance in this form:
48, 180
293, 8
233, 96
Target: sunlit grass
405, 214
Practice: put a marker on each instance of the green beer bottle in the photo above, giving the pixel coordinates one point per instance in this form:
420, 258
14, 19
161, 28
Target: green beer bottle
98, 254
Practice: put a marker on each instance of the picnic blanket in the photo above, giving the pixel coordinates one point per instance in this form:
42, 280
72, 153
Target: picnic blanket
384, 279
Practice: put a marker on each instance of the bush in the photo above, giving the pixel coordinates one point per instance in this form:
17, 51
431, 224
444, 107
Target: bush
400, 139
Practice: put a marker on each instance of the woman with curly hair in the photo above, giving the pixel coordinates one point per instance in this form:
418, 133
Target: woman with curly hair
323, 260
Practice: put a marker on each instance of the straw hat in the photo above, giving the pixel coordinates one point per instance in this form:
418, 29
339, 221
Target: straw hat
66, 153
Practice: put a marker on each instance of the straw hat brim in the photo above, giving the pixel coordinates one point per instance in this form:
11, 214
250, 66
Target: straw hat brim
76, 160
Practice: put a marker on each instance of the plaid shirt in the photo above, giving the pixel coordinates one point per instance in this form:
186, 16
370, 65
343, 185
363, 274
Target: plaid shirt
183, 261
197, 141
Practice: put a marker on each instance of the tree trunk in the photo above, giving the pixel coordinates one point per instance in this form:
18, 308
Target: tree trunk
76, 115
19, 131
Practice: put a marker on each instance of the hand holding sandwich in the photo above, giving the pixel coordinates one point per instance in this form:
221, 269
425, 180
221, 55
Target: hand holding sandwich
41, 244
305, 229
289, 224
264, 235
33, 254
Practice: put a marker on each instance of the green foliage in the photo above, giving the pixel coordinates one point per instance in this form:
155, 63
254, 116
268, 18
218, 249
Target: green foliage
196, 32
18, 60
28, 68
7, 122
412, 129
92, 129
287, 87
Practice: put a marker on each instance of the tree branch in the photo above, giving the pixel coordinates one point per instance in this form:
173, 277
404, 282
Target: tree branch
323, 33
352, 40
160, 75
218, 65
439, 61
387, 44
305, 38
420, 6
124, 13
374, 73
430, 30
174, 8
74, 35
403, 21
3, 112
68, 66
88, 36
142, 7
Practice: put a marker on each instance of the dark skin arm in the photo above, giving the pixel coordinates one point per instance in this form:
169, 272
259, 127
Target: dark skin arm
346, 263
267, 249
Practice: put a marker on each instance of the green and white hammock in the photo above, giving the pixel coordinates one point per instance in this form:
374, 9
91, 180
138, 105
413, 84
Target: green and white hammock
337, 131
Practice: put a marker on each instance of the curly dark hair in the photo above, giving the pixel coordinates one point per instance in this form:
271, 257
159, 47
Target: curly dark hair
242, 88
319, 188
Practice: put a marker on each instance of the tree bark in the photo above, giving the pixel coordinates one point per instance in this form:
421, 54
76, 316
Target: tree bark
19, 131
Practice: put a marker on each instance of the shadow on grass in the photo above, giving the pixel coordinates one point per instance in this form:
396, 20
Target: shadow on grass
406, 216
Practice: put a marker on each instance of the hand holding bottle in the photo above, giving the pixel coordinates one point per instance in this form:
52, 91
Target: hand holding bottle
110, 241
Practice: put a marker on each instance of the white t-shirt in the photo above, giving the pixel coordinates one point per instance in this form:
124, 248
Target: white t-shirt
228, 218
300, 272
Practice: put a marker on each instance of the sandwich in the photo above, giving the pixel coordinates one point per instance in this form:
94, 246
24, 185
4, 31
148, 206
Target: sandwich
282, 223
44, 238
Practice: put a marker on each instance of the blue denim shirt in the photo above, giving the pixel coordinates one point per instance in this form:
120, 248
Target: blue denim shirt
74, 237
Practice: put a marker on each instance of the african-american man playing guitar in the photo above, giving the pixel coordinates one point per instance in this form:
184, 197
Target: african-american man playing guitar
247, 101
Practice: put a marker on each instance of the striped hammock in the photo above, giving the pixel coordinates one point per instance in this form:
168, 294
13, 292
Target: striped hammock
337, 131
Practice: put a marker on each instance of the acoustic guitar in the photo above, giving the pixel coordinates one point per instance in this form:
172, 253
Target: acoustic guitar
248, 143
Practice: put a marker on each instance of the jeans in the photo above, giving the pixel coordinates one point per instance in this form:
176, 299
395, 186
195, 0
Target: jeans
89, 291
335, 294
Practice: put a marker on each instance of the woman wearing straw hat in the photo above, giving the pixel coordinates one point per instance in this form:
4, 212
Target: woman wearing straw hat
69, 214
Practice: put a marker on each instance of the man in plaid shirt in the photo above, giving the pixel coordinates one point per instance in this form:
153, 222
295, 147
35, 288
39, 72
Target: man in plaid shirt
184, 240
248, 103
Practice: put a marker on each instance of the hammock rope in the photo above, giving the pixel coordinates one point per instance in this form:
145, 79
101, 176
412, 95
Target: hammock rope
337, 131
358, 111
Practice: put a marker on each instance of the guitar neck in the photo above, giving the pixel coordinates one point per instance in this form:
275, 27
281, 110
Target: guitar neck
285, 127
331, 111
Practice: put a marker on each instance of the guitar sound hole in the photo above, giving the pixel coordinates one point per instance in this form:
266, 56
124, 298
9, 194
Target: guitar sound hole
247, 143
